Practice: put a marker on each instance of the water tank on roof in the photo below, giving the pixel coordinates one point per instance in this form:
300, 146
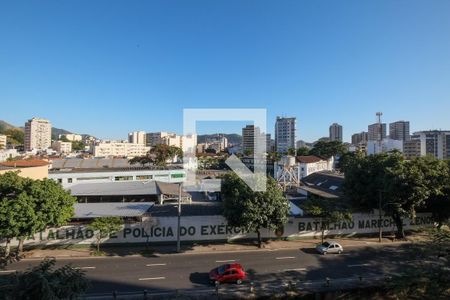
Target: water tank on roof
288, 160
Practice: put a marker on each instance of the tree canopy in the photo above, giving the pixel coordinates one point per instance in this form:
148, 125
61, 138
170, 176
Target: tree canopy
328, 149
158, 155
251, 210
104, 227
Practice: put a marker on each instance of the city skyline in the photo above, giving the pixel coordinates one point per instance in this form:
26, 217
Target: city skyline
140, 65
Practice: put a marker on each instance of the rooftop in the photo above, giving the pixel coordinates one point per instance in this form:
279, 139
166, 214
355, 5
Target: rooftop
101, 164
325, 184
24, 163
307, 159
114, 209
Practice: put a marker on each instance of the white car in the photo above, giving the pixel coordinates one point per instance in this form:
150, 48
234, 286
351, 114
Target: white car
329, 247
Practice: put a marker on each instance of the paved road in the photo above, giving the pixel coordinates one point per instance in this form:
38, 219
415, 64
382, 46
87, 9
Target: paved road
189, 271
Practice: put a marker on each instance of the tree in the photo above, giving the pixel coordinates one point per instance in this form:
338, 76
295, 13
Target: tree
15, 136
78, 146
29, 206
439, 203
328, 149
328, 210
45, 282
63, 138
143, 160
274, 156
291, 151
302, 151
162, 152
389, 182
104, 227
251, 210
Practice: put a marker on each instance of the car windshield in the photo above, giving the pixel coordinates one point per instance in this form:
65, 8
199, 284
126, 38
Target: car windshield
326, 244
222, 269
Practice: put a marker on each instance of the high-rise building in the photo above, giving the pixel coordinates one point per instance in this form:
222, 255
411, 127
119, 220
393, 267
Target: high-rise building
336, 132
118, 149
167, 138
285, 134
434, 142
359, 138
411, 148
249, 133
377, 132
399, 131
38, 134
137, 137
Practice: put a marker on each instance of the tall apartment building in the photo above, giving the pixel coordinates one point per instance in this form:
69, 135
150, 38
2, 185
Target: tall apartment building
335, 132
433, 142
399, 131
411, 148
118, 149
2, 141
375, 132
137, 137
162, 137
285, 134
38, 134
249, 133
359, 138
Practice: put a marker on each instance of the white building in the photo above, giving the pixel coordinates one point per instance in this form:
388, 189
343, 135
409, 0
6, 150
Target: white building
335, 132
38, 134
434, 142
137, 137
62, 147
385, 145
118, 149
8, 153
285, 134
189, 147
301, 166
2, 141
72, 137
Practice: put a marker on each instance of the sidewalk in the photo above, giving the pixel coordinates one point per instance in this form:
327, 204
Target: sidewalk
160, 250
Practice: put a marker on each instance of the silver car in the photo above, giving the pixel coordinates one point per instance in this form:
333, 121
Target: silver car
329, 247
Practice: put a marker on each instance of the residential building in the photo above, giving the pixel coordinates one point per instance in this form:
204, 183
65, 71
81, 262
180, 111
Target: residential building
249, 133
5, 154
434, 142
38, 134
118, 149
386, 145
162, 137
2, 141
285, 134
376, 132
137, 137
399, 131
335, 132
411, 148
34, 169
358, 138
62, 147
71, 137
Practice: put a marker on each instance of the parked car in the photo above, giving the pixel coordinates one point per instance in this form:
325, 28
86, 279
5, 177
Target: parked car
329, 247
227, 273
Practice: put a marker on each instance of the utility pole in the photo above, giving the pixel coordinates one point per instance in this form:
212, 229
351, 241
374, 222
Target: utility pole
380, 230
179, 217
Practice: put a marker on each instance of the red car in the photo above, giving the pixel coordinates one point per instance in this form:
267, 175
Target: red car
227, 273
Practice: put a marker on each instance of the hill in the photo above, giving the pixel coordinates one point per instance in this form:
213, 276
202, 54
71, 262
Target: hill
5, 126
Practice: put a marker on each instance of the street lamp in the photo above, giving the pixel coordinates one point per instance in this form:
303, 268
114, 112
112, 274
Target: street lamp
179, 217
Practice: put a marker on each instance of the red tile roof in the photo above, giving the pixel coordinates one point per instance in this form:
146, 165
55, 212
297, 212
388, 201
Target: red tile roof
307, 159
25, 163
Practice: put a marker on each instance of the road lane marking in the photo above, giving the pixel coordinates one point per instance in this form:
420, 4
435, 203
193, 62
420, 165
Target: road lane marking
152, 278
285, 257
360, 265
298, 269
225, 261
7, 271
83, 268
154, 265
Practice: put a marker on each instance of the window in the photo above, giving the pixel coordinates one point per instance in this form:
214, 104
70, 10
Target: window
91, 178
59, 180
69, 180
177, 175
123, 178
144, 177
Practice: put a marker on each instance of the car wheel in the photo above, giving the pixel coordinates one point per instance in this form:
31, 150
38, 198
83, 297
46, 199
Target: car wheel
324, 253
340, 251
216, 282
239, 281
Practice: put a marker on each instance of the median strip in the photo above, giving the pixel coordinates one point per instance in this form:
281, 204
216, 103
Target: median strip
152, 278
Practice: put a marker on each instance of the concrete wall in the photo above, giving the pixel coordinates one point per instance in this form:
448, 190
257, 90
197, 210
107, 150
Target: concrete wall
31, 172
210, 228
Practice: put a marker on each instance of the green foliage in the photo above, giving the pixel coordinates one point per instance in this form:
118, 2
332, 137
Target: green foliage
29, 206
14, 136
44, 282
291, 151
78, 146
63, 138
302, 151
158, 155
104, 227
439, 202
328, 149
274, 156
251, 210
328, 210
397, 185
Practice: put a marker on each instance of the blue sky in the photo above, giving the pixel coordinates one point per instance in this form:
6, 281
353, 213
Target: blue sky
110, 67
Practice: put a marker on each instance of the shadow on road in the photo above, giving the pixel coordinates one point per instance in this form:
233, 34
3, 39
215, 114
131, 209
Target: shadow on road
200, 278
